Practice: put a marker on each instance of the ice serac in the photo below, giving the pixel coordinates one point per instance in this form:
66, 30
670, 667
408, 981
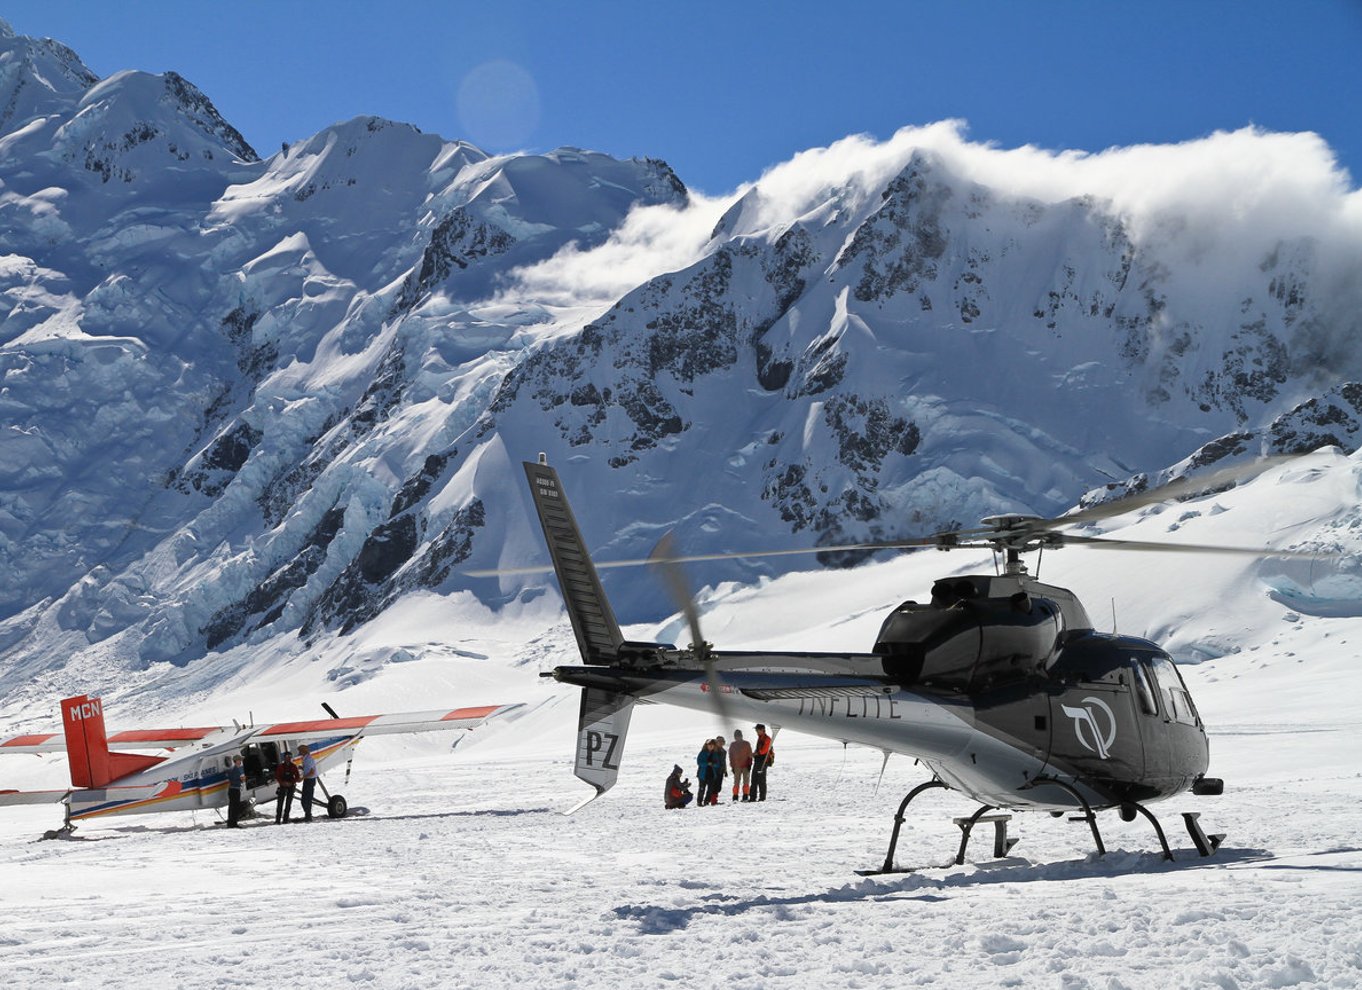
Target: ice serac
245, 399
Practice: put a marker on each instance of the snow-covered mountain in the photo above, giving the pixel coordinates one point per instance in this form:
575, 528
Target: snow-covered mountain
246, 401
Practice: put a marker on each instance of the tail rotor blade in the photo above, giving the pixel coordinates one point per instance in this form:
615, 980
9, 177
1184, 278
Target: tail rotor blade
674, 580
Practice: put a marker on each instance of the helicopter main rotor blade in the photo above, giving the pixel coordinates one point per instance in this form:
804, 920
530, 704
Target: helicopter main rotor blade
666, 564
1107, 543
1183, 487
1043, 530
652, 560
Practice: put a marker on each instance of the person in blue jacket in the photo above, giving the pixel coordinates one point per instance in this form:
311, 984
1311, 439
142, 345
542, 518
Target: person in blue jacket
703, 772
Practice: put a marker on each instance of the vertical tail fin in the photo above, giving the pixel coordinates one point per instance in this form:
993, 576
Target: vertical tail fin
602, 725
87, 746
598, 634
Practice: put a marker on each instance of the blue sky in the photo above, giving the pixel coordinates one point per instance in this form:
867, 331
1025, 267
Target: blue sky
723, 90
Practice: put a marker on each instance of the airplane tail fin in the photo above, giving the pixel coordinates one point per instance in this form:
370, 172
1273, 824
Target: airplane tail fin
602, 724
598, 634
87, 746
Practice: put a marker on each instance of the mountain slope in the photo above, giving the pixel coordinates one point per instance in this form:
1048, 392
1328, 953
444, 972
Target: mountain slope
248, 401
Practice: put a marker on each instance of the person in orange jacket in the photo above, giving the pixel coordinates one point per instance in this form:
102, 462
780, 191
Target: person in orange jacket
740, 762
761, 759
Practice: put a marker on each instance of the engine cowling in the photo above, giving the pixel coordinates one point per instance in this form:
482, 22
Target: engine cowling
967, 639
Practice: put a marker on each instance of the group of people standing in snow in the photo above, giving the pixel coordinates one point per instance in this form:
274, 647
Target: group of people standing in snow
747, 761
287, 775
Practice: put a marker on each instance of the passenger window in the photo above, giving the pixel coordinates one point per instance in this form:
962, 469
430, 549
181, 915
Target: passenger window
1143, 690
1178, 703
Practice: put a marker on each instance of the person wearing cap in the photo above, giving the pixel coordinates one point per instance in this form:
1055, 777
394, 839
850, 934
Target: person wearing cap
677, 792
761, 759
236, 783
286, 775
309, 767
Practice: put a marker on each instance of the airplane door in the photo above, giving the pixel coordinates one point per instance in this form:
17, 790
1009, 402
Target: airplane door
260, 759
211, 771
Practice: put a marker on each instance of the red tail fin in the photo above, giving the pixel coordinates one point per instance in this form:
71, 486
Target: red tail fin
87, 746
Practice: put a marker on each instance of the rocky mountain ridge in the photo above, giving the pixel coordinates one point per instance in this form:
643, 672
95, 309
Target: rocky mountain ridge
246, 399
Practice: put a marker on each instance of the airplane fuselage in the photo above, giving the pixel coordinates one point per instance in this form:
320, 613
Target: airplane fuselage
198, 780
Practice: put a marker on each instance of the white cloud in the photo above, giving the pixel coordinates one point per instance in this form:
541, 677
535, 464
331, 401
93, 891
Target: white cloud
1221, 202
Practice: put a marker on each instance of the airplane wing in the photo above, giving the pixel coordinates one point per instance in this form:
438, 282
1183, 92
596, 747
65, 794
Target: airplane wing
376, 725
55, 742
322, 728
8, 798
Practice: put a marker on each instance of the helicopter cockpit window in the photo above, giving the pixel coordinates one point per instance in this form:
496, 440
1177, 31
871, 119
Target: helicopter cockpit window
1177, 702
1144, 690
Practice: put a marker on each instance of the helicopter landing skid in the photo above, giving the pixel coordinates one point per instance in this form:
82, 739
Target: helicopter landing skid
1002, 845
1206, 845
898, 824
1088, 815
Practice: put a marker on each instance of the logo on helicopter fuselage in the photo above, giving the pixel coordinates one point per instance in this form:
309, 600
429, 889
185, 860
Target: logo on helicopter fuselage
1086, 728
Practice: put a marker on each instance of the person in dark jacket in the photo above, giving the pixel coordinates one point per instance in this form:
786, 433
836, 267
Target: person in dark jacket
718, 769
236, 786
703, 759
677, 792
286, 775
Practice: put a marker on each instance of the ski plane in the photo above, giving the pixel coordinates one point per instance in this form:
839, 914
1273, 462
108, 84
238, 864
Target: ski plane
108, 780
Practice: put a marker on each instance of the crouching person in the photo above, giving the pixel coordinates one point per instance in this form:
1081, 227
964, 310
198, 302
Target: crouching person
677, 793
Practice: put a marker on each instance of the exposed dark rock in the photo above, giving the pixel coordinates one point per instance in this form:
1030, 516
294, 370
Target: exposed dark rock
383, 393
867, 432
219, 464
419, 484
456, 242
899, 246
1331, 420
194, 104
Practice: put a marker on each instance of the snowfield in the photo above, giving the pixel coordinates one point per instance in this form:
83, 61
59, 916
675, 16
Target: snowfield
464, 872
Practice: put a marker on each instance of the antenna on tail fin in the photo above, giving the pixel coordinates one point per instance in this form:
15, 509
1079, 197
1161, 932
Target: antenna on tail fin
87, 746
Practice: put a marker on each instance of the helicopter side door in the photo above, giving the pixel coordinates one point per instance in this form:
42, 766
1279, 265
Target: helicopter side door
1096, 735
1178, 750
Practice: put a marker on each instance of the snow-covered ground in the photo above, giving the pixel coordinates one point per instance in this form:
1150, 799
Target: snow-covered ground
464, 873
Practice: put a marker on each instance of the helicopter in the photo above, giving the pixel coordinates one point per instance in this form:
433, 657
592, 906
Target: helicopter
999, 685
